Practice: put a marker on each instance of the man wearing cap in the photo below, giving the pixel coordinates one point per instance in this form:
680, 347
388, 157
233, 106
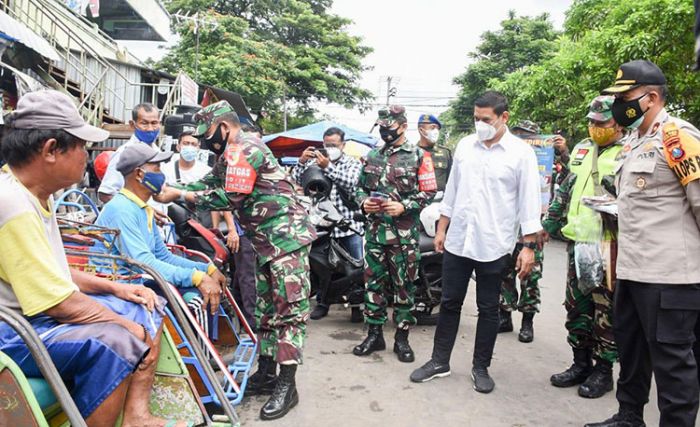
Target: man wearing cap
396, 182
139, 239
528, 302
429, 130
113, 328
589, 319
248, 179
657, 296
145, 122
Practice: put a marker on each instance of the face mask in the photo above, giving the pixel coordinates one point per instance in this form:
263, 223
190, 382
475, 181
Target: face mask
432, 135
628, 114
189, 153
334, 153
484, 131
389, 135
602, 136
153, 181
146, 136
216, 143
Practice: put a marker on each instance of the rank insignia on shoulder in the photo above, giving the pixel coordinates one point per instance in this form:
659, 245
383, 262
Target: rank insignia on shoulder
682, 153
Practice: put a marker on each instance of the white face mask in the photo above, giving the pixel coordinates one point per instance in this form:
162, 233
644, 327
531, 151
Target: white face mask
484, 131
432, 135
334, 153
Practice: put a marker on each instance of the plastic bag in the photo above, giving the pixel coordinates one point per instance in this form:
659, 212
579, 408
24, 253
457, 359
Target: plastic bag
588, 251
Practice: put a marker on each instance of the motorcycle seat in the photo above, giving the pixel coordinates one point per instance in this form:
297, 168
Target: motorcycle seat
425, 243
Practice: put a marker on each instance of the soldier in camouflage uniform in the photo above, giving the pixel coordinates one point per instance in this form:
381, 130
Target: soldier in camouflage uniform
529, 302
429, 129
404, 173
248, 180
588, 315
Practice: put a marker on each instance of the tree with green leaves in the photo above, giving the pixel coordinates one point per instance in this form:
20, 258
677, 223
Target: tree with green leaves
269, 51
599, 36
520, 41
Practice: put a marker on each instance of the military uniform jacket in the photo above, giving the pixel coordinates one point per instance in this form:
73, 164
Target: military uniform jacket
442, 159
659, 204
248, 179
395, 171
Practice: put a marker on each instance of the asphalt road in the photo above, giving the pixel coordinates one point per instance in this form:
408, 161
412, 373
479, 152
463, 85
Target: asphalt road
339, 389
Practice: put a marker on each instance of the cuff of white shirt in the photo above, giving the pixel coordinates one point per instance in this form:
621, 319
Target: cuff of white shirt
530, 227
445, 210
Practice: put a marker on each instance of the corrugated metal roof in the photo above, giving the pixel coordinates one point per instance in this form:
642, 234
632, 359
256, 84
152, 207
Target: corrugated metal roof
18, 31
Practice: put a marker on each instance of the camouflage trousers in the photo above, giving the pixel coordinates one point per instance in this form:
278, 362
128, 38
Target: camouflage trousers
589, 317
529, 288
282, 306
390, 270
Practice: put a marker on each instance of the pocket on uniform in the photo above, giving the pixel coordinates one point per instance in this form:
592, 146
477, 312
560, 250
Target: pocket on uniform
372, 176
405, 179
678, 313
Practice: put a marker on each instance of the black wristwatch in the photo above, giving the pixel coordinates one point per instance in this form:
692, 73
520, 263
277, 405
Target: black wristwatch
531, 245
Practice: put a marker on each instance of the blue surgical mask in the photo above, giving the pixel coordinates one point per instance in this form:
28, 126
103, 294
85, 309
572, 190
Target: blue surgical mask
189, 153
146, 136
153, 181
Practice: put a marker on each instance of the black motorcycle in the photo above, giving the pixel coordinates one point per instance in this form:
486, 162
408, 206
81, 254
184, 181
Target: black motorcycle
334, 270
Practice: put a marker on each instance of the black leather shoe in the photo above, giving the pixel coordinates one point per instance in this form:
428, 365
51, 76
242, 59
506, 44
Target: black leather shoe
284, 397
263, 381
505, 322
319, 312
356, 315
577, 373
599, 382
373, 342
430, 370
483, 383
621, 419
402, 348
527, 332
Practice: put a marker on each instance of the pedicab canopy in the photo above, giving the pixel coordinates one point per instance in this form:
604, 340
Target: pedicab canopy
289, 145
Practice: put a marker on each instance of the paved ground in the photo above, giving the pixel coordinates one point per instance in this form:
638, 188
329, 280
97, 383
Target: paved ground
339, 389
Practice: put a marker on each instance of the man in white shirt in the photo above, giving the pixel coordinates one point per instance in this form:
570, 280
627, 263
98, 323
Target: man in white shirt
492, 192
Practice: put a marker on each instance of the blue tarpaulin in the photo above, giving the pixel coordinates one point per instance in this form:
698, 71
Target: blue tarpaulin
314, 133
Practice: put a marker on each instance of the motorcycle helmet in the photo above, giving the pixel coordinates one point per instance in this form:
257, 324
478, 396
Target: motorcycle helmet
315, 184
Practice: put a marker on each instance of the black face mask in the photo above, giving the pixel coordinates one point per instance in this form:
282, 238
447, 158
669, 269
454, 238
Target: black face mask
217, 142
628, 114
389, 135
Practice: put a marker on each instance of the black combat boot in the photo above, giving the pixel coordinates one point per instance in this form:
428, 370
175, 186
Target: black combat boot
627, 416
284, 397
505, 322
264, 379
401, 346
527, 333
319, 312
599, 382
373, 342
577, 373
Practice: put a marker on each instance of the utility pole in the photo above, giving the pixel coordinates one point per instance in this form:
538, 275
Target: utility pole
198, 24
284, 107
390, 90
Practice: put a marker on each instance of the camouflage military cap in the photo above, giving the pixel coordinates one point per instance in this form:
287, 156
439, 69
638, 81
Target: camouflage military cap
527, 126
600, 109
204, 118
388, 115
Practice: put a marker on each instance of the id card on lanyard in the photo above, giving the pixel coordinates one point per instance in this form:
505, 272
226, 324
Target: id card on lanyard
240, 175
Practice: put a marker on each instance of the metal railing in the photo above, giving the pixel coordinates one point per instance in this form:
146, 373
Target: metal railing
82, 70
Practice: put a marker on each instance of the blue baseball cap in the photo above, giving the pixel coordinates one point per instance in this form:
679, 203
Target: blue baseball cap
429, 119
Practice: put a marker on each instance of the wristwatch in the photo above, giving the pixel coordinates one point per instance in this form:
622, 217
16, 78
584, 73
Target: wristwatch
531, 245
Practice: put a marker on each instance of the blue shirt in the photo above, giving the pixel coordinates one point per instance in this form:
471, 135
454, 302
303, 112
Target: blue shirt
139, 239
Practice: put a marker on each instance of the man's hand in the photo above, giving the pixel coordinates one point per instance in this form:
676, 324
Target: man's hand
541, 238
439, 241
211, 290
167, 195
137, 294
525, 263
233, 241
161, 218
393, 208
322, 160
371, 207
220, 278
560, 145
307, 155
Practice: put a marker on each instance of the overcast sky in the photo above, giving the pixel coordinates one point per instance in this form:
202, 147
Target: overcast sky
423, 45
